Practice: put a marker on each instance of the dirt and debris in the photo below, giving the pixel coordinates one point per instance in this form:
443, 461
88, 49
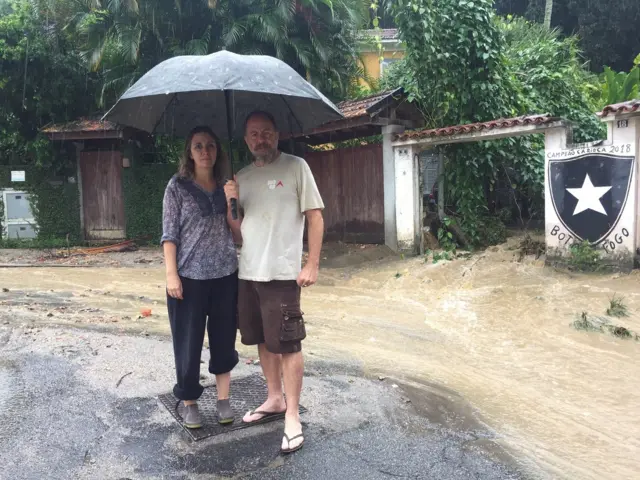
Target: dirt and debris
531, 246
490, 328
593, 323
123, 256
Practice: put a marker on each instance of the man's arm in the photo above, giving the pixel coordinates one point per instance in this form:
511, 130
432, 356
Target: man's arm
235, 225
231, 191
315, 233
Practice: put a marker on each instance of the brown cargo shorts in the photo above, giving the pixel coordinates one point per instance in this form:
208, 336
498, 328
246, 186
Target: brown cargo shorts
269, 313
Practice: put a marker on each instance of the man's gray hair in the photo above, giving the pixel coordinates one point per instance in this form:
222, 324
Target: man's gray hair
260, 113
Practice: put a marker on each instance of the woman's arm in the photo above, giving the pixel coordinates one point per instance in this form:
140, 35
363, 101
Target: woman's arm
174, 285
170, 241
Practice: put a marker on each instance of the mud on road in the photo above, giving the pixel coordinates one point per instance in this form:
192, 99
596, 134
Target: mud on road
493, 332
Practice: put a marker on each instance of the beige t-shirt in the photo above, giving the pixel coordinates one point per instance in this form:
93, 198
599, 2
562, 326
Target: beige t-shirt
274, 198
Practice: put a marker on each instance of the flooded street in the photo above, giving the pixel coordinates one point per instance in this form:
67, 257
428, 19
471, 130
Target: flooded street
491, 330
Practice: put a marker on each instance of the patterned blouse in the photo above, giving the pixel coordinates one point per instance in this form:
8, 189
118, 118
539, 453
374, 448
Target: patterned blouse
196, 221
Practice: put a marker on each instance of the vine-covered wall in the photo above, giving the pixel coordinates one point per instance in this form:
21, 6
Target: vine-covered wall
56, 207
143, 187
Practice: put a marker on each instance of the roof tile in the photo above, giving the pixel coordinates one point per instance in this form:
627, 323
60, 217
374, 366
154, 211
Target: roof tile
358, 108
82, 125
478, 127
624, 107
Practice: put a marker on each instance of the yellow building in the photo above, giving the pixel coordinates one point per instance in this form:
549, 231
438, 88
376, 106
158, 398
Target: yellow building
392, 51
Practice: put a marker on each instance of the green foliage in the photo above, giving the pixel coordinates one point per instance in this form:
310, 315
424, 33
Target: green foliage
441, 256
589, 324
445, 237
42, 80
491, 231
583, 257
465, 65
617, 307
144, 187
622, 86
550, 76
37, 243
122, 40
607, 30
454, 53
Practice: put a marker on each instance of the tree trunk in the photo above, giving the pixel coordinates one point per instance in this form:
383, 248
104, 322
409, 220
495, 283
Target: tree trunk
548, 9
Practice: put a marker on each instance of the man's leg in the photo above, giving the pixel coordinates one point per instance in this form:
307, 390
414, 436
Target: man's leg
251, 330
293, 369
283, 332
271, 369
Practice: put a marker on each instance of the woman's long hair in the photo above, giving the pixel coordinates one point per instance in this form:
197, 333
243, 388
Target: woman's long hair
187, 166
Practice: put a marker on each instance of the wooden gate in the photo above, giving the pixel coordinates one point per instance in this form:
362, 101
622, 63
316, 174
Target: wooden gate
351, 183
102, 201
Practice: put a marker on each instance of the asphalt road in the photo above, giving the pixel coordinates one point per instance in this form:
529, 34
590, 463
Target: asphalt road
63, 417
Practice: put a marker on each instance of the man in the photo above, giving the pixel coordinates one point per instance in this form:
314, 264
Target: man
276, 193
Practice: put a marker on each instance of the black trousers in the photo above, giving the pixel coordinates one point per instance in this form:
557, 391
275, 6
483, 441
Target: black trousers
217, 301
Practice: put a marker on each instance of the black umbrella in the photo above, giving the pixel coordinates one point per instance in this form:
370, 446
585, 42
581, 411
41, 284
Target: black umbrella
220, 90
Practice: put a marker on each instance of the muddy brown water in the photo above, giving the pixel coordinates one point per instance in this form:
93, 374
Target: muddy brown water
494, 331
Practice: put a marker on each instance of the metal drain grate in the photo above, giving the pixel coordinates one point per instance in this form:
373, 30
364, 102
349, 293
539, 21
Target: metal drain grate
246, 393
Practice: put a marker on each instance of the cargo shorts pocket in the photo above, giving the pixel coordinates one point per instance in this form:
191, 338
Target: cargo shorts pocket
292, 329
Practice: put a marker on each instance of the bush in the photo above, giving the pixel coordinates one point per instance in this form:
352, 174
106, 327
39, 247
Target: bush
144, 187
584, 257
492, 231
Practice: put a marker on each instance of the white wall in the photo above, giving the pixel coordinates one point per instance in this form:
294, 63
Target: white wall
408, 199
389, 175
594, 213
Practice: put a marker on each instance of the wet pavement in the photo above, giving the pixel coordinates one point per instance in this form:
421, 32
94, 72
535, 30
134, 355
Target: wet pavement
67, 412
493, 330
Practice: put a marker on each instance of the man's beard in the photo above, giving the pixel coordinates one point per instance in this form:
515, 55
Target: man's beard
266, 155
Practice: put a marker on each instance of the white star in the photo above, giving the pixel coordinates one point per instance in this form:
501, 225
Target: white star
588, 197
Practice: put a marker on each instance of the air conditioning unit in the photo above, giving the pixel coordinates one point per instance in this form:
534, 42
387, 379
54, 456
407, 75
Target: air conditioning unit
18, 221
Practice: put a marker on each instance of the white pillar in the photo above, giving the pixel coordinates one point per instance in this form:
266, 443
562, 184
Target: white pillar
591, 193
408, 200
389, 174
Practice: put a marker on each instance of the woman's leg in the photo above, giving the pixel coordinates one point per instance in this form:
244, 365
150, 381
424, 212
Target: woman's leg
188, 319
223, 325
222, 328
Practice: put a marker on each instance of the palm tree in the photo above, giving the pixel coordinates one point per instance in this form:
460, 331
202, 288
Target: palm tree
122, 39
548, 10
315, 37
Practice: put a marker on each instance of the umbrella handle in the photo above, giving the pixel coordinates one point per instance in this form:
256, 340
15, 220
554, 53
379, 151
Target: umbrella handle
234, 208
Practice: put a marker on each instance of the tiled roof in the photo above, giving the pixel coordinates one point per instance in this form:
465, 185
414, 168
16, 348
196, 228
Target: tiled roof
477, 127
624, 107
362, 106
385, 33
82, 125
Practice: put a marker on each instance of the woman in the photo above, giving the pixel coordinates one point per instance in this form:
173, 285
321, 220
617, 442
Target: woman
202, 272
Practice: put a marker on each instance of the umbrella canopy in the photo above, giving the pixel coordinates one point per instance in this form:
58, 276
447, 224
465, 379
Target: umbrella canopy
220, 90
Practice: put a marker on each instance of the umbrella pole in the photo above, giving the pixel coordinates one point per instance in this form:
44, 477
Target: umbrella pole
228, 99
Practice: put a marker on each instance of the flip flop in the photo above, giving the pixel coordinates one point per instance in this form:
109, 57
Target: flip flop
265, 416
295, 449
